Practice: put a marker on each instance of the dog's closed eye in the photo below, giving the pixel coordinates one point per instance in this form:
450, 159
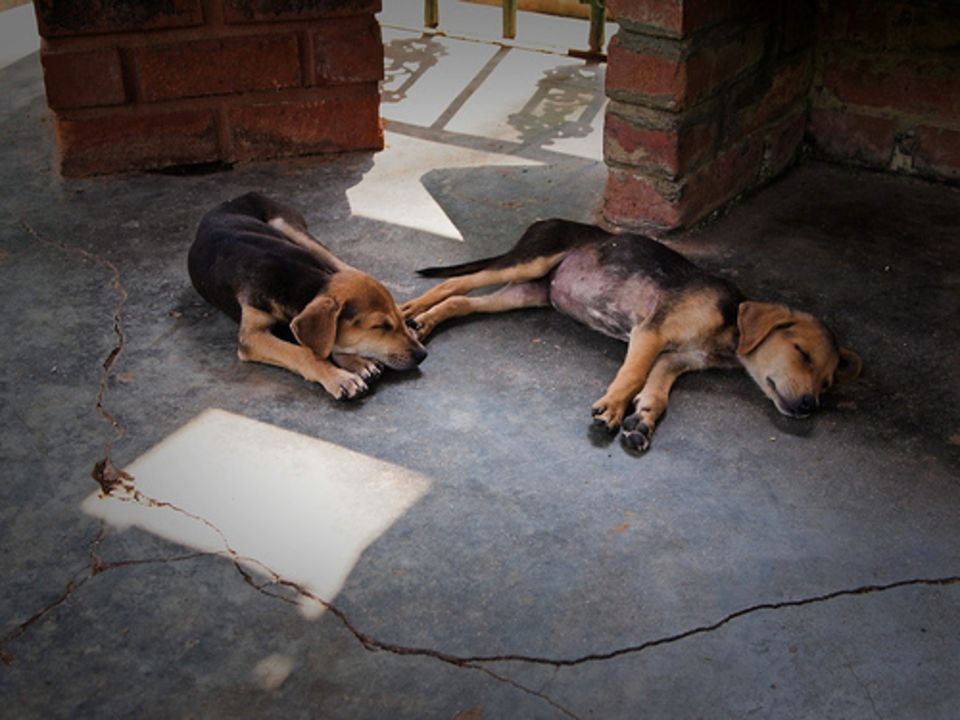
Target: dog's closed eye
804, 355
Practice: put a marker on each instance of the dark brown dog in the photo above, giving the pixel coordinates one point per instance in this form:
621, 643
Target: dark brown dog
675, 317
298, 305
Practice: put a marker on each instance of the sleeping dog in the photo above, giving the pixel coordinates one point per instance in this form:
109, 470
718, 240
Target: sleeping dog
674, 316
299, 306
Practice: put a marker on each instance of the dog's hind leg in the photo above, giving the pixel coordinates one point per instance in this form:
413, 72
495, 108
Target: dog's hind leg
258, 344
523, 272
645, 345
652, 400
300, 236
511, 297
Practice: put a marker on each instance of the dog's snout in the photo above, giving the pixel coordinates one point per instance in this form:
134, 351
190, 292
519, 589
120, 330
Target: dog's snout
808, 403
418, 355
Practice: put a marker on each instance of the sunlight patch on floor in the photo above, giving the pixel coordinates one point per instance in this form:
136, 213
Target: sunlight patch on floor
18, 34
392, 190
304, 507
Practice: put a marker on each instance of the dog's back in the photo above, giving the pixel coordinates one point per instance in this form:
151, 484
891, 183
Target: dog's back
237, 256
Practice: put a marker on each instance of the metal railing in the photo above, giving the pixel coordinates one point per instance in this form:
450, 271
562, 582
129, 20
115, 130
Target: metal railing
595, 38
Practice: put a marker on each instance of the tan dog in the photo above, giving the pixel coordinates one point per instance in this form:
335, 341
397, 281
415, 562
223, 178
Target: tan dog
299, 306
675, 317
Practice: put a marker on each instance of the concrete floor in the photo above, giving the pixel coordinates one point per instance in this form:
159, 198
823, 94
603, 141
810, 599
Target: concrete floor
485, 555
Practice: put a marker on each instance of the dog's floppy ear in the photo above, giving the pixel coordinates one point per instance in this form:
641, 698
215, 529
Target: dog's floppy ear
849, 367
316, 325
755, 320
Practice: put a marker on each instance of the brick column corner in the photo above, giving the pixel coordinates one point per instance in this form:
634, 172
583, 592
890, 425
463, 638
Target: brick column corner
887, 90
707, 99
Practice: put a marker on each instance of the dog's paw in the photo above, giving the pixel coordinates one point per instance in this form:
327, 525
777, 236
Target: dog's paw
607, 413
421, 326
635, 434
369, 370
344, 385
412, 308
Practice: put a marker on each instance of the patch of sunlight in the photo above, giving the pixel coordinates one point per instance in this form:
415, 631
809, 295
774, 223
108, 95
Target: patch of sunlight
18, 34
392, 190
303, 507
544, 101
424, 75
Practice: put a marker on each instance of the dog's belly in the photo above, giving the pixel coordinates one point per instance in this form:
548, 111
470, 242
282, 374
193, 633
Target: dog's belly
604, 298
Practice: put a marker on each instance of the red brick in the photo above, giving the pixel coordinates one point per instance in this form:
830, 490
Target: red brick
678, 18
120, 141
655, 80
920, 86
782, 142
349, 50
333, 119
675, 83
83, 79
636, 199
663, 15
668, 151
932, 27
245, 11
57, 18
633, 200
844, 135
727, 176
891, 25
698, 14
769, 94
218, 66
716, 66
938, 152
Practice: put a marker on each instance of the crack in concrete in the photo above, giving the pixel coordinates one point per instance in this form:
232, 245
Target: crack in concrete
861, 683
704, 629
110, 360
111, 479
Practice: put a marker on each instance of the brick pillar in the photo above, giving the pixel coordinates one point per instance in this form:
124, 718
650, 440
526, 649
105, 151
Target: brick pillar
708, 98
158, 83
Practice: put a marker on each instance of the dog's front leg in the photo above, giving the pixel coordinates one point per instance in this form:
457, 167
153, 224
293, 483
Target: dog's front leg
651, 402
645, 345
258, 344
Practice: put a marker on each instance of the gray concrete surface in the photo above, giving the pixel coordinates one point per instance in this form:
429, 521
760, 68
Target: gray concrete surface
747, 566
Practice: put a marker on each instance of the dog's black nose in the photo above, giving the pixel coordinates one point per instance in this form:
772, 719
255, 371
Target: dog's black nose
418, 355
807, 404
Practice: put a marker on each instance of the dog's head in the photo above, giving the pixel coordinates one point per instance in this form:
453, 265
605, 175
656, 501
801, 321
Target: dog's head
792, 356
357, 315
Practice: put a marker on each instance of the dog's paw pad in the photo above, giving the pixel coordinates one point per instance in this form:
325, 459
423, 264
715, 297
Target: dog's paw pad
636, 434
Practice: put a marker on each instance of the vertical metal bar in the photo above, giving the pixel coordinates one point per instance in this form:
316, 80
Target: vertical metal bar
509, 19
597, 25
431, 13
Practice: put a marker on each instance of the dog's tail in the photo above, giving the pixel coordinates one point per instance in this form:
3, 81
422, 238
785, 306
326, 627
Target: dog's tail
462, 269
